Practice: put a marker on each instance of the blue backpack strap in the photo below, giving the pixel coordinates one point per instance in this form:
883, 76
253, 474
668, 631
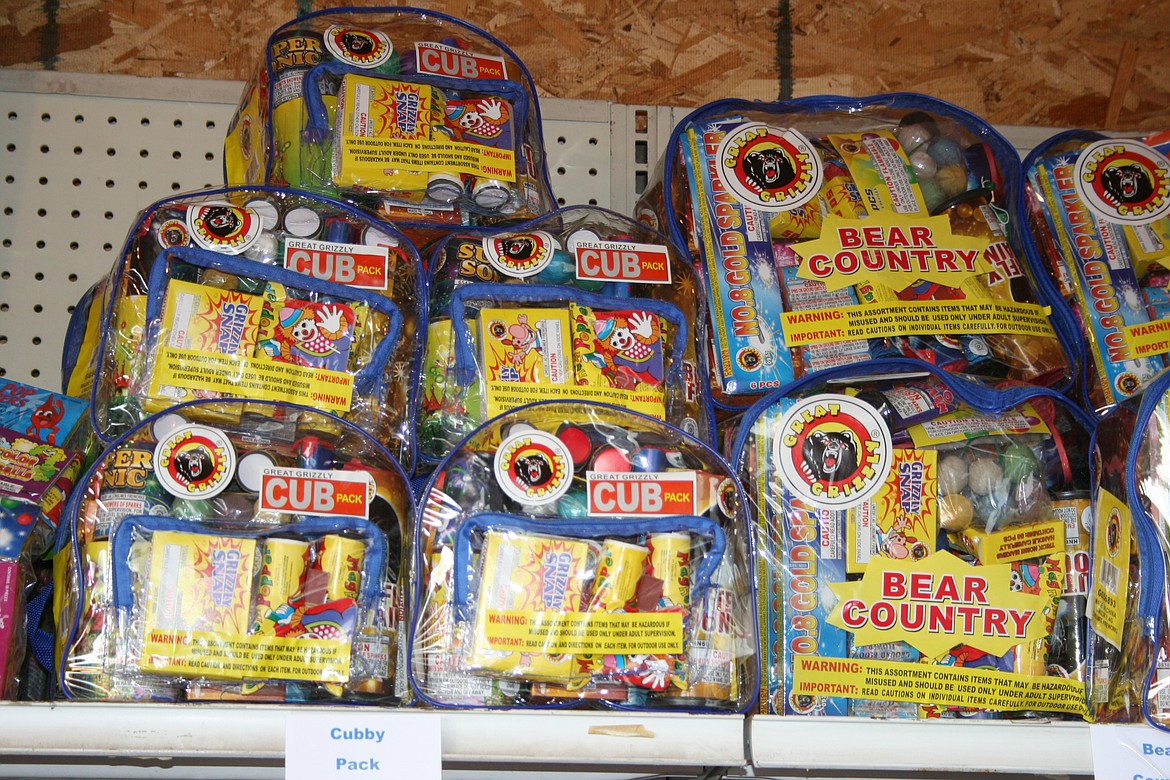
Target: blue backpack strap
40, 642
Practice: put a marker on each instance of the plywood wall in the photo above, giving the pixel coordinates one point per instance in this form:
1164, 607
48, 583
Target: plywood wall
1060, 63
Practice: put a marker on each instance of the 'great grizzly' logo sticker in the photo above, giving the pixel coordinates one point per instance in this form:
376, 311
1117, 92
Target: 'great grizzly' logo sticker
355, 46
222, 227
833, 451
533, 467
1124, 181
195, 461
520, 254
770, 169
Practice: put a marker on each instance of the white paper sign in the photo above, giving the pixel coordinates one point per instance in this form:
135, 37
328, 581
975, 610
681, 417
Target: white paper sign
360, 744
1133, 752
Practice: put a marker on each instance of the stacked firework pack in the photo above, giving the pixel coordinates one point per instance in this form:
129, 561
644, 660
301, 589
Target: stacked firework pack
571, 553
231, 543
922, 544
233, 550
918, 499
582, 304
223, 516
417, 116
1099, 212
903, 523
832, 231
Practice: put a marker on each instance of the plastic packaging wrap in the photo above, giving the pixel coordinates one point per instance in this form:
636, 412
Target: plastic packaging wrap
830, 231
581, 304
262, 294
579, 554
1128, 609
258, 559
917, 555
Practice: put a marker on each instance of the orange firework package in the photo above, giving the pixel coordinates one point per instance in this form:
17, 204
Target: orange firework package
581, 554
256, 293
236, 551
835, 230
425, 118
921, 545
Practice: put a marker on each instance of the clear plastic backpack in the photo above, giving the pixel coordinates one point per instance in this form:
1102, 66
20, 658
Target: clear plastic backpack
921, 545
834, 230
263, 558
576, 554
256, 293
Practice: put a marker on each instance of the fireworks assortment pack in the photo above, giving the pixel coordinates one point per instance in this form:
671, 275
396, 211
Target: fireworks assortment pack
855, 415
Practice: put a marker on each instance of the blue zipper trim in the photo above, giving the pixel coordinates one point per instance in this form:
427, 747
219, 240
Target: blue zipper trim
548, 293
366, 379
373, 567
596, 529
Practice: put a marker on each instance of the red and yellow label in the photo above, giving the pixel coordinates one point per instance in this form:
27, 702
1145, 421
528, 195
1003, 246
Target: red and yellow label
443, 60
938, 603
623, 494
623, 261
364, 267
891, 249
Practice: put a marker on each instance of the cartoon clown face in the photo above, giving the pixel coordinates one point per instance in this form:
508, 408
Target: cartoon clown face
317, 335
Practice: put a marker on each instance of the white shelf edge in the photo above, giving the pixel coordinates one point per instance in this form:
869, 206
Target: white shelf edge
98, 732
952, 746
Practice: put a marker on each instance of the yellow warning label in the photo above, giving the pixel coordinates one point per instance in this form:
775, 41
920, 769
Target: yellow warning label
937, 603
970, 316
244, 377
244, 657
891, 249
1147, 338
503, 396
584, 632
1112, 536
938, 685
416, 154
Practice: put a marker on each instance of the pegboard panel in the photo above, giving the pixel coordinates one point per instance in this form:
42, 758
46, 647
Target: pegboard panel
76, 171
81, 155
